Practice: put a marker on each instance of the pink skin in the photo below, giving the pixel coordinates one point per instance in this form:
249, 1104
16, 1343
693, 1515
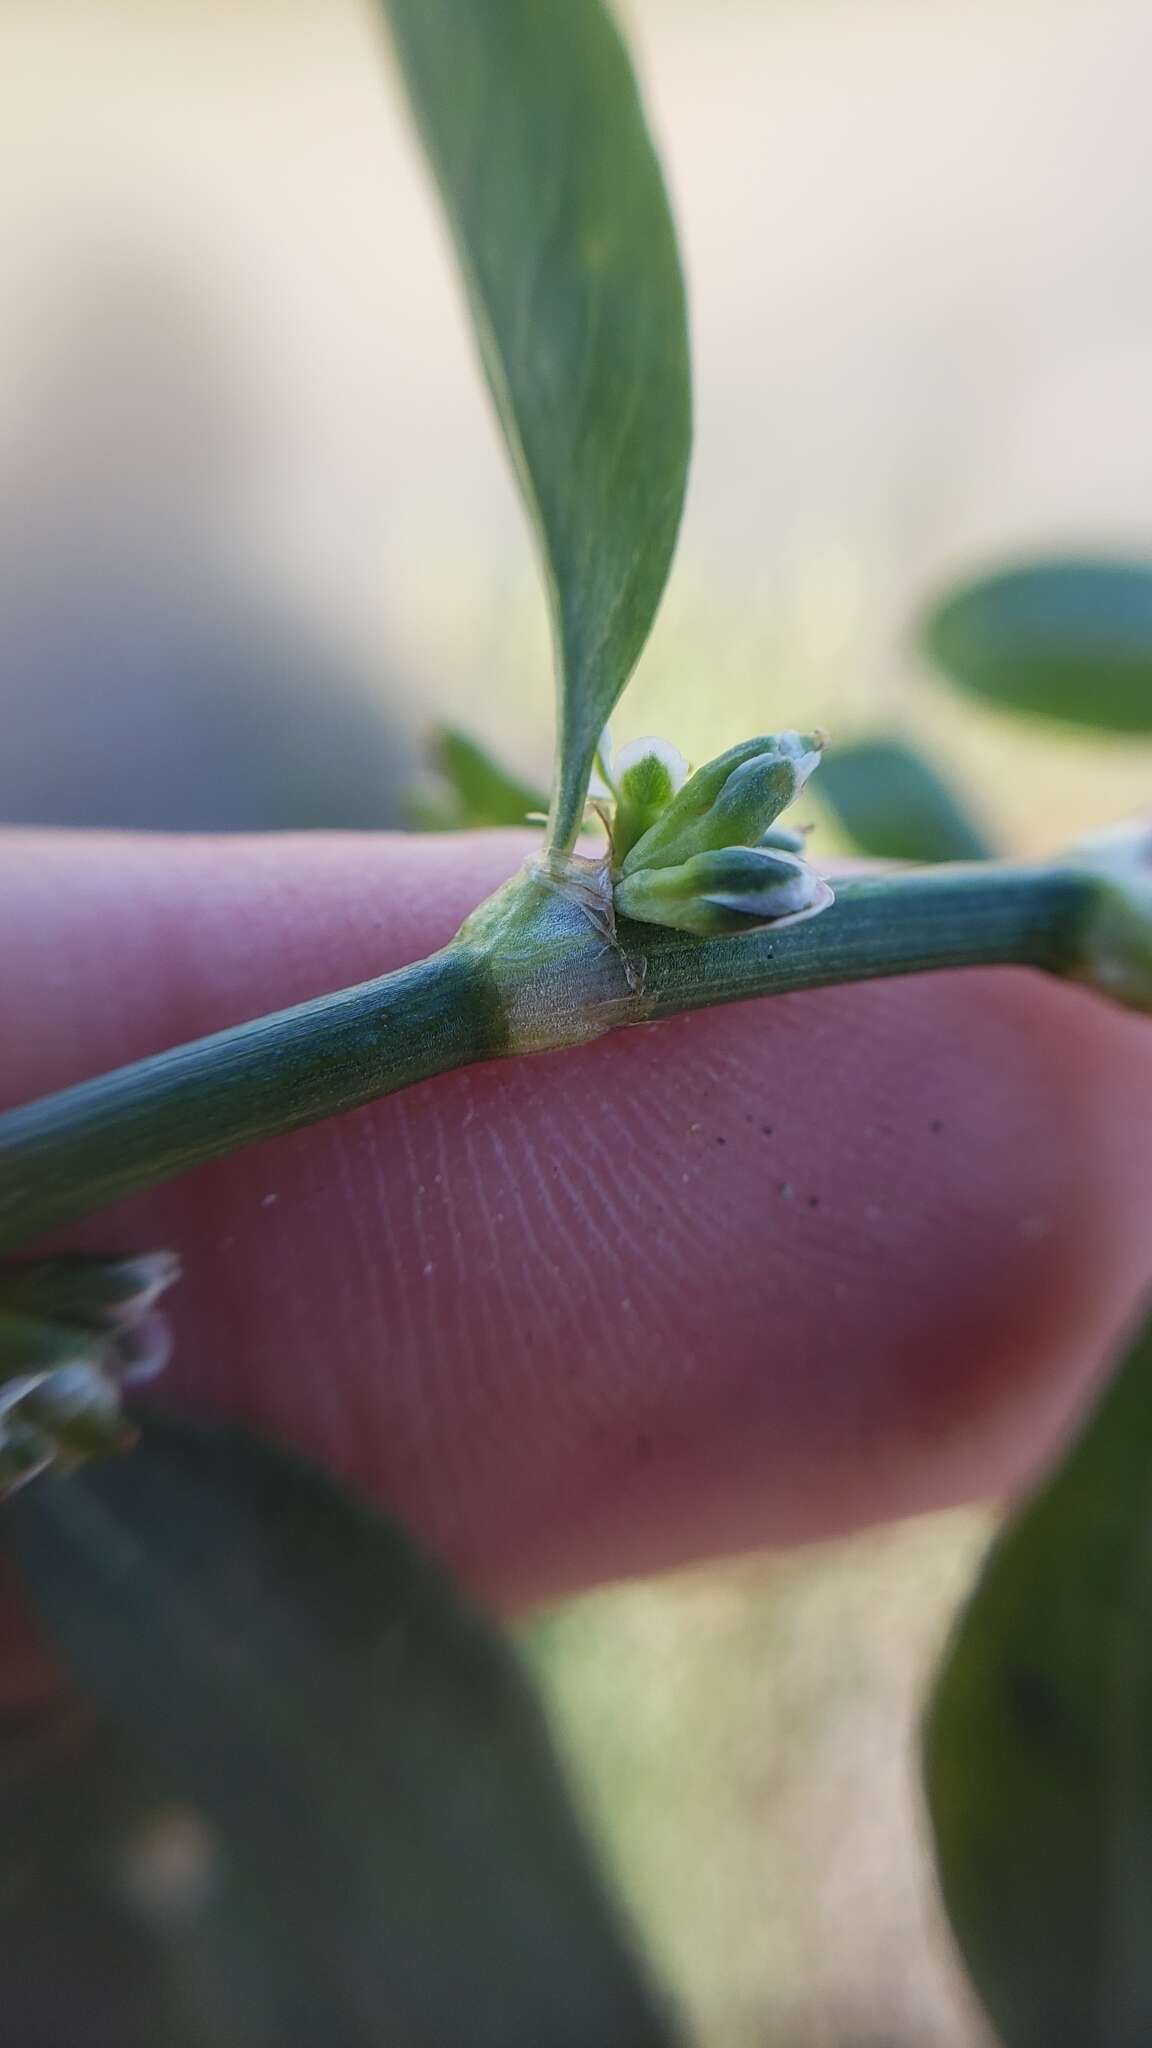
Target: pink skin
747, 1277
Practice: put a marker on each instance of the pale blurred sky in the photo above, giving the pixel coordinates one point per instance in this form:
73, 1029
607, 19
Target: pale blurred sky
232, 357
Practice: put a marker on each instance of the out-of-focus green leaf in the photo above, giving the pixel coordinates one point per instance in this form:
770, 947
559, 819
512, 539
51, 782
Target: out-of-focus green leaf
895, 805
393, 1854
1039, 1747
1070, 638
478, 791
530, 116
96, 1868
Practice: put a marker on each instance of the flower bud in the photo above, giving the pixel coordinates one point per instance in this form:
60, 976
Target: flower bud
731, 801
730, 890
93, 1291
647, 774
73, 1330
31, 1349
56, 1398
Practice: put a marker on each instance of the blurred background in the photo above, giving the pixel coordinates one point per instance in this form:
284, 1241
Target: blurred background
257, 539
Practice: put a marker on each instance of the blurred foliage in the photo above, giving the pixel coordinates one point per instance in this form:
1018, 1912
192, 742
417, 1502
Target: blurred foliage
1069, 638
101, 1874
893, 804
476, 791
746, 1735
1039, 1747
388, 1845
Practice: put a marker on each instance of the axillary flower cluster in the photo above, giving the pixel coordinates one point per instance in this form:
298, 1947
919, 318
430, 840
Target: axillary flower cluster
73, 1331
703, 852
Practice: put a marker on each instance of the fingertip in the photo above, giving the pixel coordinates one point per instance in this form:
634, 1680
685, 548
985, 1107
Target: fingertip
753, 1275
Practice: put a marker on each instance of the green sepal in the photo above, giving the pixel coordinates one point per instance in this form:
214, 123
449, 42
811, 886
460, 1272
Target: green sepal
732, 890
731, 801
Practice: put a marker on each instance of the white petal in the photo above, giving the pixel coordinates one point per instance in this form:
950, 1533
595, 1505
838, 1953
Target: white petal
670, 757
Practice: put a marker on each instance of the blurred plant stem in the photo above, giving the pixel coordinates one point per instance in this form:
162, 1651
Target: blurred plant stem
540, 966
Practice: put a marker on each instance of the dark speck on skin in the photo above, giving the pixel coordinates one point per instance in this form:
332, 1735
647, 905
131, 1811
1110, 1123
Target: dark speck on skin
813, 1201
767, 1130
721, 1141
936, 1124
643, 1448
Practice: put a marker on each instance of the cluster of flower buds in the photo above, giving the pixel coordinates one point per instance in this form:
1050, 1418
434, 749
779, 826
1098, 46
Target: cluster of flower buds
73, 1331
703, 853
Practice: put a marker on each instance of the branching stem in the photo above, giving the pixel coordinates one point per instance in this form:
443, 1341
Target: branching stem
534, 969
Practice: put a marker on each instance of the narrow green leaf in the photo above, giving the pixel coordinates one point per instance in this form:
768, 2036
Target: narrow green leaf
895, 805
1039, 1747
530, 116
395, 1856
1070, 638
479, 792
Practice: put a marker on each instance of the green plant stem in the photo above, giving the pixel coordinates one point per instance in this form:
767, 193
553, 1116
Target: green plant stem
531, 971
85, 1146
914, 923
